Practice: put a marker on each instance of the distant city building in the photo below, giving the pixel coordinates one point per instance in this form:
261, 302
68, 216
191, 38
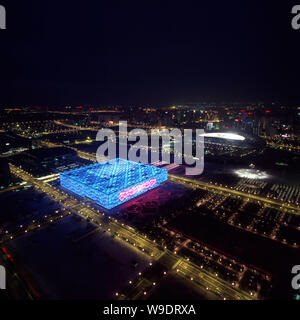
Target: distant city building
11, 143
49, 157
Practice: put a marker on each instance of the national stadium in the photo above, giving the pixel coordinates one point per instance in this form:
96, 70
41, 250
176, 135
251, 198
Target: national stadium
112, 183
239, 140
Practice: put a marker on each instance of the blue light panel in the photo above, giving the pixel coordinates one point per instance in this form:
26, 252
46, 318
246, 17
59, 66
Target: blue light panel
113, 183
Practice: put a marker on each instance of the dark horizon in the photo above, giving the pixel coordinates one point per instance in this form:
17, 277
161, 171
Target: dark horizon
99, 54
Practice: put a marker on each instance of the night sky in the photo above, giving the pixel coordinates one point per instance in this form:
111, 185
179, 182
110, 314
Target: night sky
148, 52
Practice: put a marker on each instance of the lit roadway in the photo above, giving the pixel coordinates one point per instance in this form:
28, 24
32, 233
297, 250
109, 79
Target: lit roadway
81, 154
96, 127
216, 188
201, 277
137, 241
18, 186
75, 127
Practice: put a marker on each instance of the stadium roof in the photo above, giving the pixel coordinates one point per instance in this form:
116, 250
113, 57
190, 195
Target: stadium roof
223, 135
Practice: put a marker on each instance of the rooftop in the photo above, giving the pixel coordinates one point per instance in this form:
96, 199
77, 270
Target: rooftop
114, 175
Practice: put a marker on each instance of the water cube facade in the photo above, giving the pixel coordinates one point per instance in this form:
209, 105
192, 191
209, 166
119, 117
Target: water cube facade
112, 183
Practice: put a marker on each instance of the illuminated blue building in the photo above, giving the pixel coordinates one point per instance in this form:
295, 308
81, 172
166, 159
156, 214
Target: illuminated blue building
112, 183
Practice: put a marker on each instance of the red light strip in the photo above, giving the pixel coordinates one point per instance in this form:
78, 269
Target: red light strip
130, 192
